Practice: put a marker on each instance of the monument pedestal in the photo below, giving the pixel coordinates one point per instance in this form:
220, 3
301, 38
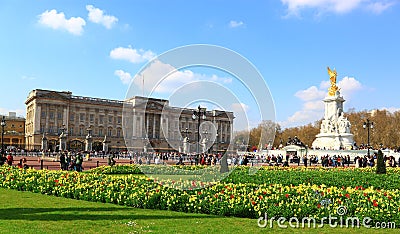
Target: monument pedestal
327, 141
335, 128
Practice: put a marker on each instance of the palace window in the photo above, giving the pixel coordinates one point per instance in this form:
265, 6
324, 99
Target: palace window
109, 132
100, 132
59, 115
119, 120
51, 115
82, 117
110, 119
101, 120
91, 118
119, 133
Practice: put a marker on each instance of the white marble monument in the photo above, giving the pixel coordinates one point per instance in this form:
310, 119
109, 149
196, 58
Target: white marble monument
335, 128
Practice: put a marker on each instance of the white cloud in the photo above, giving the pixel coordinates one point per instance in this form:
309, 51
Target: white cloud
303, 116
239, 107
225, 80
391, 109
317, 105
311, 93
379, 7
313, 106
132, 55
155, 73
164, 78
294, 7
125, 77
349, 85
97, 16
235, 24
56, 20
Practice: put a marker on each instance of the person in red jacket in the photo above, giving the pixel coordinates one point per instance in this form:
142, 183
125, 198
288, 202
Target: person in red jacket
10, 159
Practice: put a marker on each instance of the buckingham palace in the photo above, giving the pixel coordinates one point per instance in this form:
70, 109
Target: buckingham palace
135, 124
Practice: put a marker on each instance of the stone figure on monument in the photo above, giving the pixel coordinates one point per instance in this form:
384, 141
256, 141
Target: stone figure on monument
323, 127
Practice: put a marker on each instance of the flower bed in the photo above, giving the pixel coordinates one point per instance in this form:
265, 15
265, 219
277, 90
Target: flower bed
348, 177
250, 200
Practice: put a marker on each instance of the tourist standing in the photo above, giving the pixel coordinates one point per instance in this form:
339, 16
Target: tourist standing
78, 162
62, 161
10, 159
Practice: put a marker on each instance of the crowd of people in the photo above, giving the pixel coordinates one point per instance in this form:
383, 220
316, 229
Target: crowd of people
370, 161
72, 160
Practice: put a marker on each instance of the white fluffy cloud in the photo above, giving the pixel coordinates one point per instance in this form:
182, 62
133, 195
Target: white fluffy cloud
97, 16
313, 106
235, 24
239, 107
156, 79
311, 93
164, 78
132, 55
391, 109
56, 20
349, 85
125, 77
337, 6
379, 6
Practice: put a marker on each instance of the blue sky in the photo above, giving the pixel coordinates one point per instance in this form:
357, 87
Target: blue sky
94, 48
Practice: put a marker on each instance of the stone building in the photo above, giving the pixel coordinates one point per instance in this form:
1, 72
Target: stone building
147, 123
14, 131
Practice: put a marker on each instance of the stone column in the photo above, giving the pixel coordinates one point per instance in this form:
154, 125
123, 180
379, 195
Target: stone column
46, 126
36, 119
134, 120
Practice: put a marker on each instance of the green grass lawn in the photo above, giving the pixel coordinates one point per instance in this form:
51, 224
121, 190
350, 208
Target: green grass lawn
26, 212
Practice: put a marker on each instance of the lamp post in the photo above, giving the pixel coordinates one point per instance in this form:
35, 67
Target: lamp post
199, 114
3, 124
368, 125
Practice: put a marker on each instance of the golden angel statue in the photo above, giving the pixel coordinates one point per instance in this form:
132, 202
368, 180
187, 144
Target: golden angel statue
332, 77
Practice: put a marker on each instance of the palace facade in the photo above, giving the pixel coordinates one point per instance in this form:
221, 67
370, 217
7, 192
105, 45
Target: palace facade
147, 123
14, 129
